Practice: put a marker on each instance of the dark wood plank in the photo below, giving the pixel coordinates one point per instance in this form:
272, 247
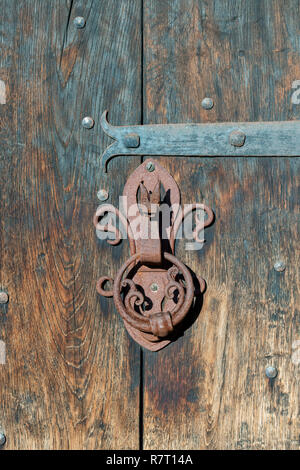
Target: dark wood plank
209, 390
71, 378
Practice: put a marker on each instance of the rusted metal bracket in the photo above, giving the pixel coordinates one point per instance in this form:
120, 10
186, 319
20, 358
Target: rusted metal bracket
153, 291
256, 139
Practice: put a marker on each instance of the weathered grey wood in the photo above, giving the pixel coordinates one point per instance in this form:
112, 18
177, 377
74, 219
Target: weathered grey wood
71, 378
262, 139
209, 390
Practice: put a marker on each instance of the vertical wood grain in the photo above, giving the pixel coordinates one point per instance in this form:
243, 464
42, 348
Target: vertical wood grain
208, 390
71, 378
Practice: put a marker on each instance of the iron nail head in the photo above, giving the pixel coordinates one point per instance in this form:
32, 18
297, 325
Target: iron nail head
88, 122
271, 372
279, 266
79, 22
154, 287
2, 439
132, 140
3, 298
102, 195
150, 166
237, 138
207, 103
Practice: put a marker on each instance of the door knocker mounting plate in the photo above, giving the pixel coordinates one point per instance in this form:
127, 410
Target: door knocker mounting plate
153, 291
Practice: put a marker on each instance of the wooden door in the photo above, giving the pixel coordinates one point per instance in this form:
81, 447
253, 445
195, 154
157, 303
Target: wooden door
71, 377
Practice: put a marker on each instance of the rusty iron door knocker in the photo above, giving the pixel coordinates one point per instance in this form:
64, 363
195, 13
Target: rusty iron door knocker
153, 291
157, 292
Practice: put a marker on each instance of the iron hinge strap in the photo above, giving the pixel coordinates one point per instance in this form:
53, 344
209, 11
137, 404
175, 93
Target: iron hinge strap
253, 139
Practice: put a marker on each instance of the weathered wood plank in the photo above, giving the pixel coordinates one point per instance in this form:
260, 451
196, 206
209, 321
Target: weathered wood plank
71, 378
208, 390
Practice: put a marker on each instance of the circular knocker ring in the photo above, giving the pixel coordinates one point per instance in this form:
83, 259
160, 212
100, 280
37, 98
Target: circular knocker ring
160, 324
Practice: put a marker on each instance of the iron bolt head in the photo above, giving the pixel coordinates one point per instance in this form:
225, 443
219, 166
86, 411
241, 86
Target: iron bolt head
102, 195
154, 287
150, 166
132, 140
2, 439
279, 266
79, 22
207, 103
88, 122
237, 138
3, 298
271, 372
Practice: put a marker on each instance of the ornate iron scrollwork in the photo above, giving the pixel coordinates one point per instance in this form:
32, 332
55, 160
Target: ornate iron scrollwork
153, 291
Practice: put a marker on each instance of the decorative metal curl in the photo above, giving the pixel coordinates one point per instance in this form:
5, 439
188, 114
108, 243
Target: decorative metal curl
174, 285
200, 224
100, 283
143, 323
109, 208
133, 297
